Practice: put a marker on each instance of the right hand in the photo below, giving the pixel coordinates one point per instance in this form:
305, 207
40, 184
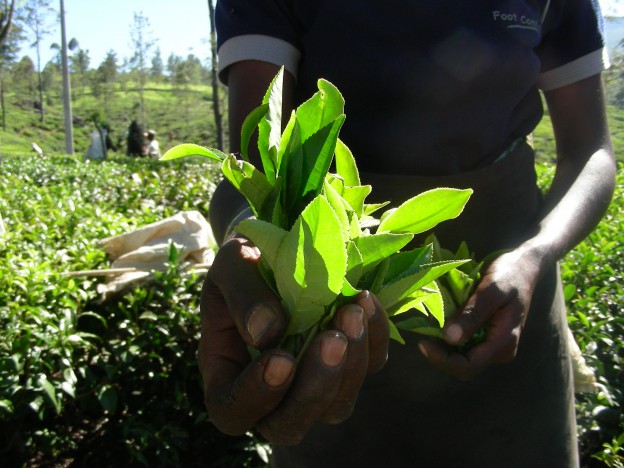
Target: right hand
280, 399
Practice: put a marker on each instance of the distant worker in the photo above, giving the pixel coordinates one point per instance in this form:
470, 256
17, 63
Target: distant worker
153, 148
101, 142
136, 144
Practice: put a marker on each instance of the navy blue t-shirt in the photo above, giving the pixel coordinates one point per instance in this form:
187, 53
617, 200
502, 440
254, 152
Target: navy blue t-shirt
431, 87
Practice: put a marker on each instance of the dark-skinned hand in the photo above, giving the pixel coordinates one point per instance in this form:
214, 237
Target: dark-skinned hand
272, 394
500, 303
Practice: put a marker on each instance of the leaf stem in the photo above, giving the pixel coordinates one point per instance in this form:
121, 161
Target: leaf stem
308, 341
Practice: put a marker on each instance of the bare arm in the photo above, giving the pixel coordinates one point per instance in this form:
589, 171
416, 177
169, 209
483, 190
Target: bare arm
577, 199
585, 177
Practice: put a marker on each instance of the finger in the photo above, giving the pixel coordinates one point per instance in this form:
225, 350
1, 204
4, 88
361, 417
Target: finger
450, 360
475, 313
254, 308
222, 353
237, 394
350, 321
499, 347
236, 407
315, 387
378, 330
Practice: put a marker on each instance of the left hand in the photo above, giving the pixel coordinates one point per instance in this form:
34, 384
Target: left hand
501, 304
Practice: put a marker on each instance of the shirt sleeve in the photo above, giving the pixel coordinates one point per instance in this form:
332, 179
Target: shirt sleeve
573, 45
264, 30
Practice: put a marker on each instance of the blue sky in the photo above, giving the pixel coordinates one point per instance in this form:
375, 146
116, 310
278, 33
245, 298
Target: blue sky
179, 26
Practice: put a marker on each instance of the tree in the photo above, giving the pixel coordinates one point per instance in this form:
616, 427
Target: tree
158, 67
216, 107
142, 44
105, 77
79, 66
10, 36
67, 110
36, 20
23, 76
6, 19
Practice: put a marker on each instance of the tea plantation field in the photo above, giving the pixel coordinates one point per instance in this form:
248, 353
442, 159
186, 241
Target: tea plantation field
116, 383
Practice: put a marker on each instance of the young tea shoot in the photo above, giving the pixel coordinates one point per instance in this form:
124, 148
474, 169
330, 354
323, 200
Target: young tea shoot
321, 243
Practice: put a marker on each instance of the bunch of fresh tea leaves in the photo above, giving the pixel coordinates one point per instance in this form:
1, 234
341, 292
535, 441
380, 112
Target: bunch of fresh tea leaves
321, 243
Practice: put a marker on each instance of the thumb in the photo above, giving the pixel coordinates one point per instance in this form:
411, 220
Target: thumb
460, 327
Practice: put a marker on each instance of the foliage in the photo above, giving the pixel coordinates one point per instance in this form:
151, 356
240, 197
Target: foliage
86, 381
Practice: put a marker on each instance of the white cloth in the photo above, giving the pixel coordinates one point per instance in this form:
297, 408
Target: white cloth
146, 249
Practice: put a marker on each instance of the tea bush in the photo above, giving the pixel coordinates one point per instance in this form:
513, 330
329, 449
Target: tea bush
86, 382
99, 383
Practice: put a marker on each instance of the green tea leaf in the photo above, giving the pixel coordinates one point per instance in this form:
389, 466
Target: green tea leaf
355, 196
434, 302
338, 205
323, 108
376, 247
266, 236
420, 325
50, 392
407, 263
247, 180
250, 124
318, 152
287, 134
394, 333
391, 294
270, 127
412, 301
354, 263
426, 210
311, 265
345, 165
371, 208
108, 398
191, 149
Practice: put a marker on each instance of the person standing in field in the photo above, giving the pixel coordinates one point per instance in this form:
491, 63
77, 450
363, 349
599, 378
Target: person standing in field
153, 147
135, 140
438, 93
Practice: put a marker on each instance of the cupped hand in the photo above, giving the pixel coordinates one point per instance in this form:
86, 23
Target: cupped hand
500, 303
271, 393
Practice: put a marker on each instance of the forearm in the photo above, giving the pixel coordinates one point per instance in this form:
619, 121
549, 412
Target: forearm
576, 201
585, 176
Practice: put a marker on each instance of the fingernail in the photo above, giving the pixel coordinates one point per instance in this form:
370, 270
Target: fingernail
277, 370
366, 302
352, 321
454, 333
423, 349
333, 349
260, 320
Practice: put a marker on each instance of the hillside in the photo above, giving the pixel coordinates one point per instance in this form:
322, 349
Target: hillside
176, 115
